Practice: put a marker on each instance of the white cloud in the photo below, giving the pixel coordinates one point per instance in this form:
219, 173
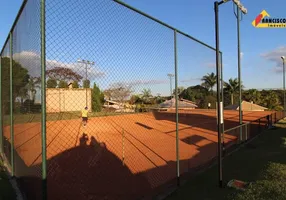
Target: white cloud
241, 55
190, 80
210, 65
141, 82
275, 56
32, 62
148, 82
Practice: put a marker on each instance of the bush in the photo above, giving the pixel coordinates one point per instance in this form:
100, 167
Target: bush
52, 83
208, 99
264, 190
63, 84
30, 107
140, 108
75, 84
272, 185
275, 171
86, 84
97, 99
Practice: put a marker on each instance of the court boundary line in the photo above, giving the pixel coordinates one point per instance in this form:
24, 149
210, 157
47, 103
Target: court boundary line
135, 145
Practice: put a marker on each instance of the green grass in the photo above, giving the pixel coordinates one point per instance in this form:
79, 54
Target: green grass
30, 118
6, 190
262, 162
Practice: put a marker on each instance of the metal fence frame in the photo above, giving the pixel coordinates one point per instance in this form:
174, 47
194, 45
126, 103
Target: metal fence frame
43, 89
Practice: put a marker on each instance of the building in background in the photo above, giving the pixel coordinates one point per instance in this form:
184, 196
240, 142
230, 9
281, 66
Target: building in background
182, 104
246, 106
118, 107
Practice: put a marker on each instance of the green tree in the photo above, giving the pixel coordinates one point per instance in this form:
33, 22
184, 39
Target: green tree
63, 84
271, 100
97, 99
75, 84
209, 81
135, 99
159, 99
188, 94
20, 80
280, 94
232, 88
86, 84
180, 90
195, 93
208, 99
146, 95
252, 95
52, 83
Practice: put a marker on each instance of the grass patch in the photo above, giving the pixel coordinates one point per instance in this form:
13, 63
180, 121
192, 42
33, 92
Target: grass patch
6, 190
31, 118
263, 163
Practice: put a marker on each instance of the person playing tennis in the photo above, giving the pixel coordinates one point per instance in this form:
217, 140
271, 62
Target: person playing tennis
84, 115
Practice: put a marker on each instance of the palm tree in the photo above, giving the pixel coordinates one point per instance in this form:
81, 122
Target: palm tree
209, 81
146, 94
232, 87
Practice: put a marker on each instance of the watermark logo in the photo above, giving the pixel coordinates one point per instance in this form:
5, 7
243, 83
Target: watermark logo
263, 20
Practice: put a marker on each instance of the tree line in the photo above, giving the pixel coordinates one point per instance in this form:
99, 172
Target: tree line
25, 88
204, 94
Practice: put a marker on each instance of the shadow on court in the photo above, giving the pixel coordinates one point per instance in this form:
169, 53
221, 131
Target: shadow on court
91, 171
204, 121
88, 171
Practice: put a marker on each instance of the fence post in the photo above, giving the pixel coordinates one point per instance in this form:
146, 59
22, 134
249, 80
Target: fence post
259, 126
177, 114
222, 97
123, 147
246, 138
275, 117
11, 105
1, 117
43, 98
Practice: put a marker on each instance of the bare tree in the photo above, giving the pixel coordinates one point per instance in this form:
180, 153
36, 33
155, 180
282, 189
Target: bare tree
118, 92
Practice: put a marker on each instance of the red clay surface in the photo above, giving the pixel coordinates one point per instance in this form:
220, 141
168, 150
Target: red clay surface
94, 169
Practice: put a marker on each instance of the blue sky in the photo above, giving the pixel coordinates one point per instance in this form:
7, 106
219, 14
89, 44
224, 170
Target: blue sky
129, 48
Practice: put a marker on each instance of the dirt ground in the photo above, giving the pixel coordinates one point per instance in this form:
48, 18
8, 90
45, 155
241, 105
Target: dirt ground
125, 156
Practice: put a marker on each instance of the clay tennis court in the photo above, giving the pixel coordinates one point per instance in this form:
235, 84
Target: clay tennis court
127, 156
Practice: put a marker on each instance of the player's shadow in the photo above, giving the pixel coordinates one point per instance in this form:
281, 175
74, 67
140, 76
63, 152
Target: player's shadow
91, 171
83, 140
87, 171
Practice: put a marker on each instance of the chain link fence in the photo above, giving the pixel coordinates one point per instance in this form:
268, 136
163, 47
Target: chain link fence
121, 117
5, 100
21, 99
